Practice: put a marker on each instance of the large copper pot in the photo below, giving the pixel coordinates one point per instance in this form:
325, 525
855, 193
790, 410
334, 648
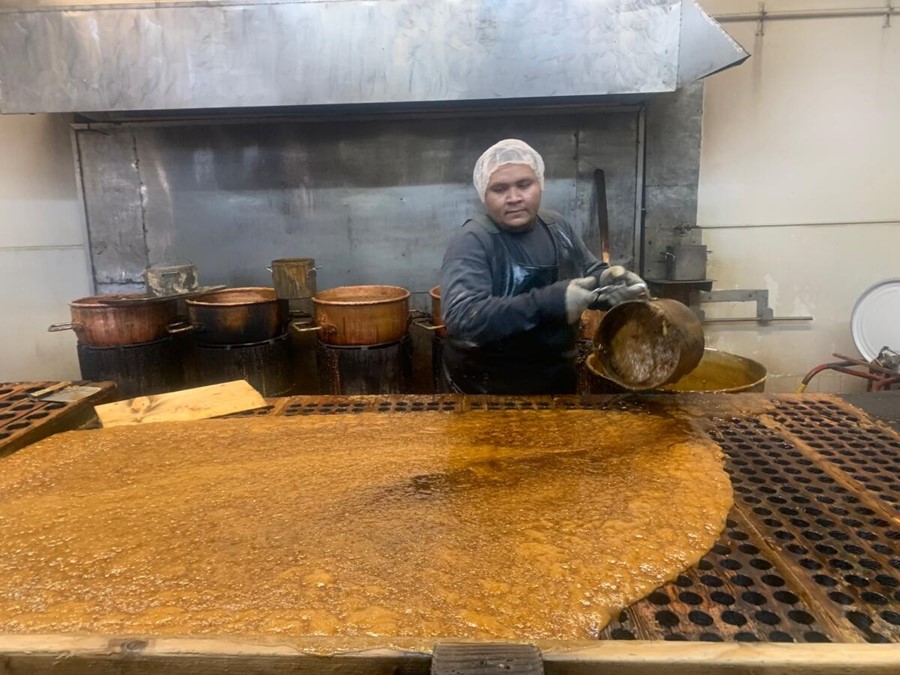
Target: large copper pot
722, 373
122, 319
236, 316
361, 315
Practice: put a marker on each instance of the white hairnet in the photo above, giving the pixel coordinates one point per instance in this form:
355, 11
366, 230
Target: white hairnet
507, 151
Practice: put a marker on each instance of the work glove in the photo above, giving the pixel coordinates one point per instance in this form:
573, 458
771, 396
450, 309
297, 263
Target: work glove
580, 294
618, 285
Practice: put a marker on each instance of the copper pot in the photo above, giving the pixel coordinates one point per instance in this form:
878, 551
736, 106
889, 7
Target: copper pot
643, 345
122, 319
235, 316
361, 315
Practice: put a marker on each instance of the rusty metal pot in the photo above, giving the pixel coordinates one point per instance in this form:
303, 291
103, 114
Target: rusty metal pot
722, 373
163, 281
361, 315
294, 278
645, 344
235, 316
122, 319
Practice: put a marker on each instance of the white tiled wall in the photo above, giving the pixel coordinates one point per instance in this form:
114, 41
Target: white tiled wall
43, 258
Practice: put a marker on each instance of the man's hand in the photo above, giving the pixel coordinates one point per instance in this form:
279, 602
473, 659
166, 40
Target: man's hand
618, 285
619, 276
580, 294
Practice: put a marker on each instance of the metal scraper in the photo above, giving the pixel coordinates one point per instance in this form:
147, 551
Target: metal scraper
64, 392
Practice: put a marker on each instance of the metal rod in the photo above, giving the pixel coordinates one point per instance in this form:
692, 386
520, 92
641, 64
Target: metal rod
828, 224
315, 114
757, 320
638, 265
867, 364
807, 14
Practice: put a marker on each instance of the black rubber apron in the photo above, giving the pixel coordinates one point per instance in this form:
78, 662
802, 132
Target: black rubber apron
539, 361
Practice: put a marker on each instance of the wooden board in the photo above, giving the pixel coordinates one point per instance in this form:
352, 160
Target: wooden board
65, 654
180, 406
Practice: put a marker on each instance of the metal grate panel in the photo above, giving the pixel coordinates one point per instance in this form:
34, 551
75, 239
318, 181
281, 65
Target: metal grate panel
23, 420
868, 453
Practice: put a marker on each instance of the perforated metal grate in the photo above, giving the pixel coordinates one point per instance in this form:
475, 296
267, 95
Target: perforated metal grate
23, 420
734, 593
387, 404
18, 412
333, 405
870, 454
809, 555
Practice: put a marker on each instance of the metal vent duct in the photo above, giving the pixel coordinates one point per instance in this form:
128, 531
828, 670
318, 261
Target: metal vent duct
115, 56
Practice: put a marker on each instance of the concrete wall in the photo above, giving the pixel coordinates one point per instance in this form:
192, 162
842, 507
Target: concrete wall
43, 257
800, 181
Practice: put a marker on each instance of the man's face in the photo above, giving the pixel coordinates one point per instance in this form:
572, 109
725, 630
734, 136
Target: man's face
513, 196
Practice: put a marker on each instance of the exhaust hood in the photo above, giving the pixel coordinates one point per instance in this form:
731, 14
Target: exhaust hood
56, 56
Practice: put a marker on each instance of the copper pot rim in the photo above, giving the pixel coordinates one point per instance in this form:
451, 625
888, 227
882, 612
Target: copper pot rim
260, 295
435, 293
401, 295
286, 261
103, 301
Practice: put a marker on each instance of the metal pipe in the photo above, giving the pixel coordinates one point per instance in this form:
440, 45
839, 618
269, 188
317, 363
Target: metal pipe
743, 319
110, 121
822, 224
886, 11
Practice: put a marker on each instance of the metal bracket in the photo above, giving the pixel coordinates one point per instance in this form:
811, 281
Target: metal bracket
889, 9
764, 313
761, 21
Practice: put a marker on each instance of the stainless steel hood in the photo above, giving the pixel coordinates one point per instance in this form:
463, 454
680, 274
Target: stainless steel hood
164, 56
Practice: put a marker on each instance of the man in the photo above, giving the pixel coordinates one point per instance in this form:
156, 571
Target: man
515, 281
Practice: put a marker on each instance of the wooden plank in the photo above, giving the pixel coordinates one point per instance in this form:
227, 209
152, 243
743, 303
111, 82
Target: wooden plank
179, 406
66, 654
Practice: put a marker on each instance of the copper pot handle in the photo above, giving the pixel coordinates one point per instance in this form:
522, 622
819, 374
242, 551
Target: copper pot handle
181, 327
325, 328
71, 325
419, 323
311, 269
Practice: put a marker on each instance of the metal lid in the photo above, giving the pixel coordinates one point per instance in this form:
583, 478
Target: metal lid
875, 321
